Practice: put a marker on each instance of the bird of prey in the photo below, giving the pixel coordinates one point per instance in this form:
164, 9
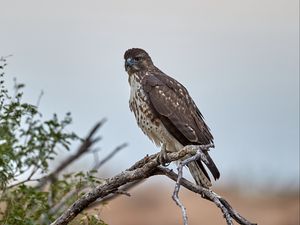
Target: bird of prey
166, 113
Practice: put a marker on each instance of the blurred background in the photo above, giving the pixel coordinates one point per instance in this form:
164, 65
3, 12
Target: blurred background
238, 59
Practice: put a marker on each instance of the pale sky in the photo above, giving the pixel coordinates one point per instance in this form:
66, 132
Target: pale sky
238, 59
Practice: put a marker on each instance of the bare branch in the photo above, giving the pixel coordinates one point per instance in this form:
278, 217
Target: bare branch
202, 156
3, 58
109, 156
84, 148
123, 189
23, 182
206, 194
148, 166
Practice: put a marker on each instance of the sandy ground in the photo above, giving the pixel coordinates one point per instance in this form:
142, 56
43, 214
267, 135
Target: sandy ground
152, 205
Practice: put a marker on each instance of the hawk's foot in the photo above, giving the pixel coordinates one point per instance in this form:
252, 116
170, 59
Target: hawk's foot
163, 156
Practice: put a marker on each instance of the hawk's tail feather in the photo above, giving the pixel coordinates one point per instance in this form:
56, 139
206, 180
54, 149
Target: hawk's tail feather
211, 166
199, 174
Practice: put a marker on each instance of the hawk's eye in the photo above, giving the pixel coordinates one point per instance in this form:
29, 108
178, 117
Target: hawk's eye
137, 58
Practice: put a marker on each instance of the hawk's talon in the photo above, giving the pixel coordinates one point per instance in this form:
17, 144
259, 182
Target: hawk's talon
163, 156
163, 159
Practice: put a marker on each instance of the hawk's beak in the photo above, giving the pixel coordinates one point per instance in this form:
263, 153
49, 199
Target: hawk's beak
129, 62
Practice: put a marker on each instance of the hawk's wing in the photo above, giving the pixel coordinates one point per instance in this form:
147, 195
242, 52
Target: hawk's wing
176, 109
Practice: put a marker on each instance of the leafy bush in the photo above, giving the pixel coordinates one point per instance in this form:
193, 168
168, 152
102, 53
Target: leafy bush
27, 145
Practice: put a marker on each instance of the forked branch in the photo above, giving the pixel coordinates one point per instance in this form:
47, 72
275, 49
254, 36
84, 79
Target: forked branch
147, 167
228, 212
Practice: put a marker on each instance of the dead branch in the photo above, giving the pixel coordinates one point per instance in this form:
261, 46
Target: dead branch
63, 201
109, 156
125, 188
183, 163
83, 148
148, 166
29, 179
206, 194
175, 197
122, 190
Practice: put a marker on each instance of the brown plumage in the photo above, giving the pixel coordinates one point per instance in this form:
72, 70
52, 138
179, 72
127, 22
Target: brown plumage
165, 111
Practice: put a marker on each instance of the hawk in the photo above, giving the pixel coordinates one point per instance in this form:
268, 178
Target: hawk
166, 113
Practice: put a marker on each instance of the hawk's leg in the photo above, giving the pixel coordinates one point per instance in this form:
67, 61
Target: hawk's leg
163, 157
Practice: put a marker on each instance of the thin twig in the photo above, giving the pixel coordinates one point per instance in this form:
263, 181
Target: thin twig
23, 182
124, 188
63, 201
39, 99
44, 218
28, 179
109, 156
175, 196
3, 58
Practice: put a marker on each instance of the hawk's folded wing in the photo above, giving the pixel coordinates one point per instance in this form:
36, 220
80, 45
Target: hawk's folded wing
176, 109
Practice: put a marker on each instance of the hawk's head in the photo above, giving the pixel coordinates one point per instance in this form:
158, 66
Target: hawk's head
136, 59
